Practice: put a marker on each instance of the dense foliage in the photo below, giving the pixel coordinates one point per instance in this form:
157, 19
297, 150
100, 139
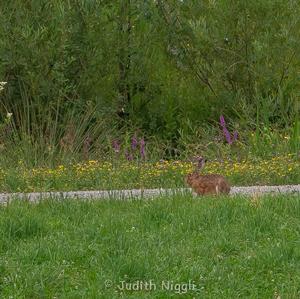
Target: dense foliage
80, 73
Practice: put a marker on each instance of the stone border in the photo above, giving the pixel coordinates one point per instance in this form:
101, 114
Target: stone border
139, 194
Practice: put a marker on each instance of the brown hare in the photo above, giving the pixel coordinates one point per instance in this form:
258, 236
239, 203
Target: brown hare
207, 184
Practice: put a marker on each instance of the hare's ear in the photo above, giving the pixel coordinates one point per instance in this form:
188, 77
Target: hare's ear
201, 163
195, 159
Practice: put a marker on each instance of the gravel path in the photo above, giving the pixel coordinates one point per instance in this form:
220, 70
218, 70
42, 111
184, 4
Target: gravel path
137, 193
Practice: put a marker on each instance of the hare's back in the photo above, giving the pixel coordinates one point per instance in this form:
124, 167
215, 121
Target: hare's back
212, 183
212, 177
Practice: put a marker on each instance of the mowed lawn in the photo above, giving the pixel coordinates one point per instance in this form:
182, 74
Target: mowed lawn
199, 247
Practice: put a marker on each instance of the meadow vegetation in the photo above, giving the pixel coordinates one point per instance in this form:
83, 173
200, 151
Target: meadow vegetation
82, 76
228, 247
123, 94
103, 175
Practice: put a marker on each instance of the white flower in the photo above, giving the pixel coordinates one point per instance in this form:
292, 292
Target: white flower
2, 85
9, 115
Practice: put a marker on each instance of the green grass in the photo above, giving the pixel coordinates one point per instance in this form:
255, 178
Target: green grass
228, 247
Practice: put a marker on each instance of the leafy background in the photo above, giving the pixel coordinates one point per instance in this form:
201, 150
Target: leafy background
83, 73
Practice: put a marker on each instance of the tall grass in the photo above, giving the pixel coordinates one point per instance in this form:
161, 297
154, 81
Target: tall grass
54, 139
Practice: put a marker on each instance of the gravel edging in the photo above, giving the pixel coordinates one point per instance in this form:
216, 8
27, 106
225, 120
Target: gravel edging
139, 193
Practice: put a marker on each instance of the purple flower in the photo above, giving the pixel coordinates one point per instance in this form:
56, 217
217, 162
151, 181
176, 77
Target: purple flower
142, 148
235, 135
226, 132
222, 121
134, 142
116, 146
227, 135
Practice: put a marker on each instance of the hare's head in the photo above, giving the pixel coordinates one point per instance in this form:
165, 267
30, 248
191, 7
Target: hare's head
199, 162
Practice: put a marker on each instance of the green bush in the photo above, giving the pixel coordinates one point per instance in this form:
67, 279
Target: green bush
167, 68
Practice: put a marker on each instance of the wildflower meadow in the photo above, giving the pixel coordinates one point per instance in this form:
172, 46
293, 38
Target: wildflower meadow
114, 95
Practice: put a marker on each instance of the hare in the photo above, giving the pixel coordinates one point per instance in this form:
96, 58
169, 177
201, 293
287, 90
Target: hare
207, 184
